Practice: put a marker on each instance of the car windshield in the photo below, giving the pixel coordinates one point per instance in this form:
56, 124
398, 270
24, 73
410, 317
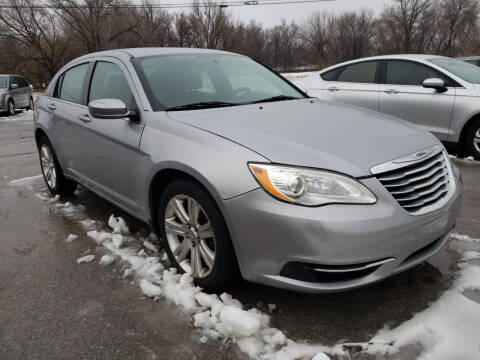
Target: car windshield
182, 82
3, 82
462, 69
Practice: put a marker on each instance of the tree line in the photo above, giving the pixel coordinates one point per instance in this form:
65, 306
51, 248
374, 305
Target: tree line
37, 41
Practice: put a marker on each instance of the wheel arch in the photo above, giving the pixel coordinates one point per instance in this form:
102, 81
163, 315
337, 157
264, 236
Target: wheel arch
466, 126
162, 177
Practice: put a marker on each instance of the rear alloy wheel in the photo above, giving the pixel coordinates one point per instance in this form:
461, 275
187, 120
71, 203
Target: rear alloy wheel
11, 108
56, 182
472, 140
195, 235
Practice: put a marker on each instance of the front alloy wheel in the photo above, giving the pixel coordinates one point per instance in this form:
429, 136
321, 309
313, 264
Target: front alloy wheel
190, 236
195, 235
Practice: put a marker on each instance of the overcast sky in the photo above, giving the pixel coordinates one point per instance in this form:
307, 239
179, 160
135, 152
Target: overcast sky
273, 14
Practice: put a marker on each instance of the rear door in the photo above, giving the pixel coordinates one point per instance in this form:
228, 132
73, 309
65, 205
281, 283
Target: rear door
65, 108
402, 94
355, 84
109, 149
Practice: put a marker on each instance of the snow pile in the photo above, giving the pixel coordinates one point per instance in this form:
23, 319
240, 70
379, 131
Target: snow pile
106, 260
71, 237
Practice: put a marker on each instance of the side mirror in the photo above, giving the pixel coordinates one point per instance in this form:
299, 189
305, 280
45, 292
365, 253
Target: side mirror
14, 86
435, 83
108, 109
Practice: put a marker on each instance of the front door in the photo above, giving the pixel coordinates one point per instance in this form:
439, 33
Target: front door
402, 95
110, 154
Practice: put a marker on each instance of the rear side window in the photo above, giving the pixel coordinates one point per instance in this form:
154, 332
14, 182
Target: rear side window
331, 75
408, 73
3, 82
109, 82
364, 73
70, 86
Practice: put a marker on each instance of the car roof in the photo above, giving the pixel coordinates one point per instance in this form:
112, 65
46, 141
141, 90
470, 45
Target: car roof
10, 75
152, 51
418, 57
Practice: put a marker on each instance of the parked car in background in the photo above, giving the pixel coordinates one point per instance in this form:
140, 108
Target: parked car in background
236, 168
439, 94
474, 60
15, 93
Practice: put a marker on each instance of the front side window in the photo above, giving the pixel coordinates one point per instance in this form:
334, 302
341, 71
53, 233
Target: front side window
71, 84
3, 82
408, 73
363, 73
179, 80
109, 82
462, 69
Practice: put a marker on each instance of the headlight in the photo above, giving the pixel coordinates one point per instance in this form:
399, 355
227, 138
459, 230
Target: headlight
310, 187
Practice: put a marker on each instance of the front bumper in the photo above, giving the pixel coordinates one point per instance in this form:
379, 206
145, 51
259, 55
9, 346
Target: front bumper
269, 234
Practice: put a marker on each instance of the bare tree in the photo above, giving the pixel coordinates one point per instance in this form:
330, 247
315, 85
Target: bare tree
91, 21
36, 34
209, 25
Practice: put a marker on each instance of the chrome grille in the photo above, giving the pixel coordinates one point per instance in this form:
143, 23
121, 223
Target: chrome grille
420, 186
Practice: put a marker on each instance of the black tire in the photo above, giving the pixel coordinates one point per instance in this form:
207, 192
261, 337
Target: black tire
472, 133
62, 186
30, 104
225, 268
11, 107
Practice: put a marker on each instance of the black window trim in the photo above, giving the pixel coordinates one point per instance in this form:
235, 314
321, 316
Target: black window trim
383, 79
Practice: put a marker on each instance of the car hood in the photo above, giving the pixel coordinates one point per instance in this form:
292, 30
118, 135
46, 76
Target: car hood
313, 133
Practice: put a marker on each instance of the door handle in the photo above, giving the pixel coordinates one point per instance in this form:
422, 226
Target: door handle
51, 106
333, 89
391, 91
85, 118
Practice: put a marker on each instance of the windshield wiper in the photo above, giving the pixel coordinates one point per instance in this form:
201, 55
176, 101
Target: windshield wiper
200, 105
276, 98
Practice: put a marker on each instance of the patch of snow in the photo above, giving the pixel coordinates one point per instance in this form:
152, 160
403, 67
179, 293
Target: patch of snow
150, 246
118, 225
86, 259
71, 237
149, 289
106, 260
25, 181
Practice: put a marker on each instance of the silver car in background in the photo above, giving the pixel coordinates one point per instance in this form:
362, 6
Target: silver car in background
439, 94
15, 93
238, 171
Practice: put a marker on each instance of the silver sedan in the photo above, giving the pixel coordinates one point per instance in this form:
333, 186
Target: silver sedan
241, 173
